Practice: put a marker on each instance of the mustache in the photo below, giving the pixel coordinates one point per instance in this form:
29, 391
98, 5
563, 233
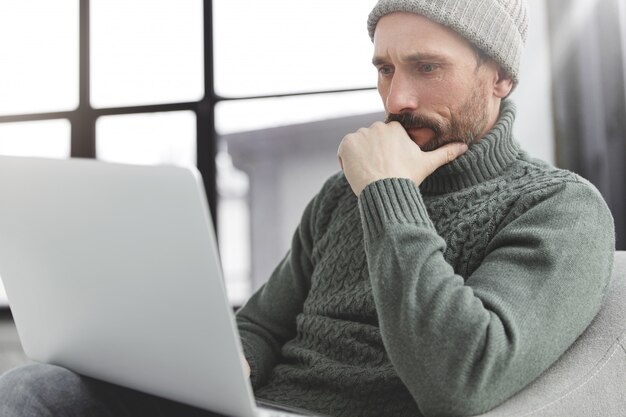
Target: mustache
412, 121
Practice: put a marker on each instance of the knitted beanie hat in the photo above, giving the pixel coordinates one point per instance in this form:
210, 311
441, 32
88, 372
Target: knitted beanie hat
498, 27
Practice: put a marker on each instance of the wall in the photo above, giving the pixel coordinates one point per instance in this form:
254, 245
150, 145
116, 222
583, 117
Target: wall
534, 127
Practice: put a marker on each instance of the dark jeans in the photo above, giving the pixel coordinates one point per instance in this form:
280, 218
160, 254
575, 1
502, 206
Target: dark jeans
50, 391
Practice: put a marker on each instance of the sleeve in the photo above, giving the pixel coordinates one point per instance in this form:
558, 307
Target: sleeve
463, 346
268, 319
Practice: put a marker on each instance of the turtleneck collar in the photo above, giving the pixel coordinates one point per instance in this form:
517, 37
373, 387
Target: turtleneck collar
484, 160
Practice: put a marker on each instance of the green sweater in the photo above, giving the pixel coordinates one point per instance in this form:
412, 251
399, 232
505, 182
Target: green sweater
439, 300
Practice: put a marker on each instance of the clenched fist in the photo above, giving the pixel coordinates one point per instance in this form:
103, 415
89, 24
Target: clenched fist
386, 151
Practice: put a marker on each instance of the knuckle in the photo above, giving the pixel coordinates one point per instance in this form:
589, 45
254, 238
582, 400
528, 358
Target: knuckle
394, 124
379, 126
347, 139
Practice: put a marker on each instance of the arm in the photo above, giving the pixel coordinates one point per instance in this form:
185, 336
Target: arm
268, 319
464, 346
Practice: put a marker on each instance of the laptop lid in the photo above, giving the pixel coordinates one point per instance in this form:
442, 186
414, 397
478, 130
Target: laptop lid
112, 271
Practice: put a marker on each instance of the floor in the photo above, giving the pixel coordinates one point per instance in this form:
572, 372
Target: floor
11, 354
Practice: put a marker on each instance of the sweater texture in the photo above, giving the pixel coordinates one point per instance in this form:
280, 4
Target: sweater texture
439, 300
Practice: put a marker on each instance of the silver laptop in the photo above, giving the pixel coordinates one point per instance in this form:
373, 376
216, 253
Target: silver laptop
112, 271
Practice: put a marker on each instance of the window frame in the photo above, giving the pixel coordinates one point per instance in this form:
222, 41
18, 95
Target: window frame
84, 117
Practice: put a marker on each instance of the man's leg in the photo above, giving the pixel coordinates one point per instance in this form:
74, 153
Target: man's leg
50, 391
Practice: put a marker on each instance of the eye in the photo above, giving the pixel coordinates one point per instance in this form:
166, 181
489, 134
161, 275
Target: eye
428, 68
385, 70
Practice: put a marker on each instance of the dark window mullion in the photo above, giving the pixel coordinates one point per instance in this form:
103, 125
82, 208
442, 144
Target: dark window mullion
206, 146
83, 120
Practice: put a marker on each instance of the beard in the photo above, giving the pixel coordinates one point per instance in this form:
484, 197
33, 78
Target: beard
465, 125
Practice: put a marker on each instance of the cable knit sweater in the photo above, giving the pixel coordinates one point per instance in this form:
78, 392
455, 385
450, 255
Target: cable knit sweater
438, 300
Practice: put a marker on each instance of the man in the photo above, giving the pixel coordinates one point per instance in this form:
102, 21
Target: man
420, 286
439, 273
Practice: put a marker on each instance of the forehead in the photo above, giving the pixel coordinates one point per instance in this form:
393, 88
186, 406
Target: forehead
412, 33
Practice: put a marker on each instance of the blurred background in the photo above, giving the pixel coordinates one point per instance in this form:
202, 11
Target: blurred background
258, 94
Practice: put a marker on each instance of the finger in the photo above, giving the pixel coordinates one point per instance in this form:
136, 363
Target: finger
446, 154
339, 149
397, 128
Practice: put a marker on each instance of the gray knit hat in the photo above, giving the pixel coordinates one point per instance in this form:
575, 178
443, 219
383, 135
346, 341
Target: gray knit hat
498, 27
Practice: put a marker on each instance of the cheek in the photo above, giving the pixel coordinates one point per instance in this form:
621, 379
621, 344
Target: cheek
437, 100
450, 95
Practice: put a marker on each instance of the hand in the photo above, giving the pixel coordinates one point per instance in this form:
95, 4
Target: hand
385, 150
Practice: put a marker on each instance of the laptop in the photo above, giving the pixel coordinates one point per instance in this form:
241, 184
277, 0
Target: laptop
112, 271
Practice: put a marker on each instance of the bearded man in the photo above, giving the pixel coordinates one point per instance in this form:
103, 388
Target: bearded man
443, 269
439, 273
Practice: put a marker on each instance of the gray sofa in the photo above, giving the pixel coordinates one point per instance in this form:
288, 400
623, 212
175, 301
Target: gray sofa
589, 380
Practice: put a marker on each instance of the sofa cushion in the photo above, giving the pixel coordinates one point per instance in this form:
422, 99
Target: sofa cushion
590, 378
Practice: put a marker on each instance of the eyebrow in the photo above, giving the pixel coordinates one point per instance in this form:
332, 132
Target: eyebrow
416, 57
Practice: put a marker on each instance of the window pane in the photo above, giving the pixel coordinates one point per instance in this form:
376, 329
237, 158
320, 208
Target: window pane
49, 138
149, 138
279, 46
38, 56
146, 52
233, 218
245, 115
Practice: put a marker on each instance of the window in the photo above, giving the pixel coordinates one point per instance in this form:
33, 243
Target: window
147, 138
146, 52
38, 56
285, 46
153, 81
45, 138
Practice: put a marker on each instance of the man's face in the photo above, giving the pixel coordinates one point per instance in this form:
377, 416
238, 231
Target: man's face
430, 80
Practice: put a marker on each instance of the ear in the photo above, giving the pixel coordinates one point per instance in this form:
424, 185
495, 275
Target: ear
503, 84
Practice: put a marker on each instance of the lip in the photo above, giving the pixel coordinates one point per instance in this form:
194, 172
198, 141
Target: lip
420, 135
417, 130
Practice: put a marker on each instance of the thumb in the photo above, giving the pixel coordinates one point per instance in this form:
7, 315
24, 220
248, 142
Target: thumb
446, 154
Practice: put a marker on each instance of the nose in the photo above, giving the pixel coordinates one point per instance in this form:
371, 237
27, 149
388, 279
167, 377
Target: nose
402, 96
